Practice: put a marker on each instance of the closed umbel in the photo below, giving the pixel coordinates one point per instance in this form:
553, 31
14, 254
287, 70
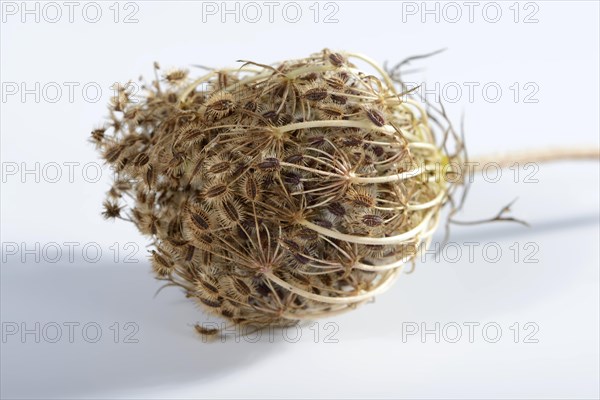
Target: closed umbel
278, 193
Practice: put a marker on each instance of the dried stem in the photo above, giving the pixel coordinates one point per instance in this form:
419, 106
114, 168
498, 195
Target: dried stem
507, 159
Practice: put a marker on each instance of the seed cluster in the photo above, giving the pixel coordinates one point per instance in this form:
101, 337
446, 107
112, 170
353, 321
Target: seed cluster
276, 193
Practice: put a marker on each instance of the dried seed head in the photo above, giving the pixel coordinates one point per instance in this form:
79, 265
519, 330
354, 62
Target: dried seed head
274, 193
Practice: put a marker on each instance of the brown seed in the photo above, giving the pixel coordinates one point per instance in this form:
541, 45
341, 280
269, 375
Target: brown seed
221, 105
376, 117
293, 246
269, 164
361, 198
150, 176
211, 303
251, 188
231, 211
292, 178
220, 168
98, 135
208, 287
315, 94
294, 158
337, 209
326, 279
241, 286
141, 159
372, 220
332, 111
113, 153
339, 99
206, 331
352, 141
201, 220
111, 210
189, 254
284, 119
270, 116
323, 222
250, 106
301, 259
216, 190
176, 76
378, 150
336, 59
204, 242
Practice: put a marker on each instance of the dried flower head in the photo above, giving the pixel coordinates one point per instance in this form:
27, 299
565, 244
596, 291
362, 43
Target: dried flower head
278, 193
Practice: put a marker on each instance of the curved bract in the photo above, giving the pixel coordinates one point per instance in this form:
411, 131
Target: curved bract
275, 193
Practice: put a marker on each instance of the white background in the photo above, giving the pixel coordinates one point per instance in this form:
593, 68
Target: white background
558, 54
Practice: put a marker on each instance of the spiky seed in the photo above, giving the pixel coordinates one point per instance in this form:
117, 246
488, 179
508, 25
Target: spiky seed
269, 164
376, 117
176, 76
336, 209
316, 94
111, 210
336, 59
361, 197
204, 331
98, 135
201, 220
141, 159
339, 99
231, 211
372, 220
211, 303
220, 168
207, 287
294, 158
215, 191
250, 189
